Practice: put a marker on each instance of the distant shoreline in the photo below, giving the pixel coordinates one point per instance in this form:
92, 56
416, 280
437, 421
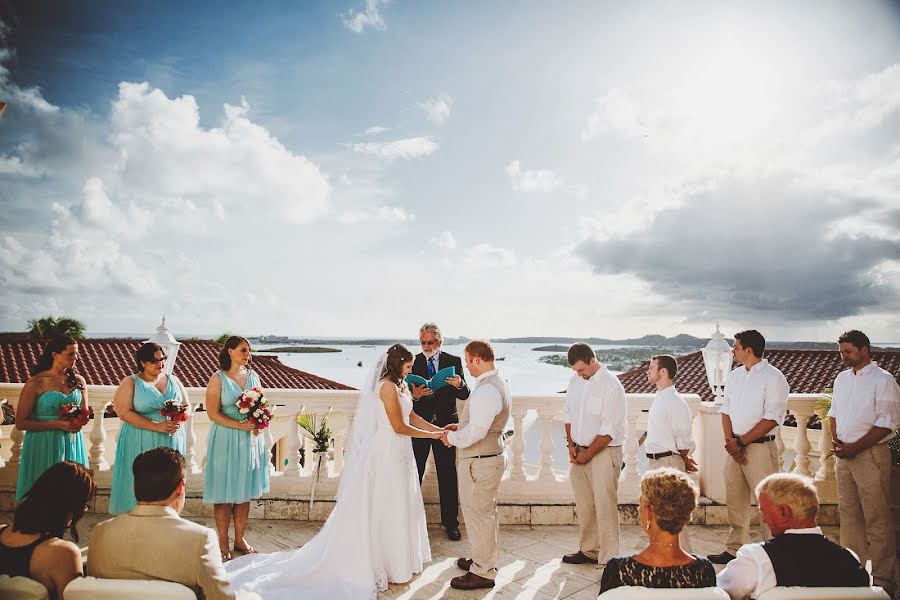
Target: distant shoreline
301, 350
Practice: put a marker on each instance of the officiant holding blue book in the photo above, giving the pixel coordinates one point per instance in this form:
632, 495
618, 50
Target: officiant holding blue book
436, 403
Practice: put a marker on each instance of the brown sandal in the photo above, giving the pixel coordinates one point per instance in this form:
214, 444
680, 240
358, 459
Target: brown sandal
248, 550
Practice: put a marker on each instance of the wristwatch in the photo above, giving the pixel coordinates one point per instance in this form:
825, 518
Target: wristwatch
740, 444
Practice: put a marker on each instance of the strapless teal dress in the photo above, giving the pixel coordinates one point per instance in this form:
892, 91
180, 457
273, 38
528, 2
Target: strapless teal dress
233, 475
133, 440
41, 449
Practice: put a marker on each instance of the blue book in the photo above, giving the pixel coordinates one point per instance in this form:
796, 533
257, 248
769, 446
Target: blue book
436, 382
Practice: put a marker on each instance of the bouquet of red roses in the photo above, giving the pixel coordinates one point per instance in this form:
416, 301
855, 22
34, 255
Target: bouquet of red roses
174, 411
74, 414
256, 406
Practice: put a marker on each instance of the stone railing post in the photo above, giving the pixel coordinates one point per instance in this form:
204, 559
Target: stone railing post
802, 410
547, 446
826, 481
779, 446
292, 446
630, 478
97, 457
190, 446
517, 464
11, 470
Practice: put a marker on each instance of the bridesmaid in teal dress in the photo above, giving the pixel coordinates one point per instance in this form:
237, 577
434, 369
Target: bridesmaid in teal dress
137, 402
49, 439
237, 465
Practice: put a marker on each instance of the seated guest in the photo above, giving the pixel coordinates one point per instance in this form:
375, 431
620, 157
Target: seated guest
33, 547
153, 541
668, 497
798, 554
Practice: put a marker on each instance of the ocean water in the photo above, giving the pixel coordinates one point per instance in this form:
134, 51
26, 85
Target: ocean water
519, 366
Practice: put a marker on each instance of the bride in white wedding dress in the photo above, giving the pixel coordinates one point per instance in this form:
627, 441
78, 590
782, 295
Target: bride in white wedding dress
376, 532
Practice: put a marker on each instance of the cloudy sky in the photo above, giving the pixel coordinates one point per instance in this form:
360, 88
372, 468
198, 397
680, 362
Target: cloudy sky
358, 167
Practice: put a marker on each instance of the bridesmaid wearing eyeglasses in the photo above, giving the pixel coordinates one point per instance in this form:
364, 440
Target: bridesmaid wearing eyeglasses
49, 439
138, 401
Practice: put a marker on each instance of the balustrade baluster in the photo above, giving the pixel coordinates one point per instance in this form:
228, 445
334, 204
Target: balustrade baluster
97, 457
630, 478
292, 447
517, 468
801, 444
546, 471
779, 446
826, 481
190, 447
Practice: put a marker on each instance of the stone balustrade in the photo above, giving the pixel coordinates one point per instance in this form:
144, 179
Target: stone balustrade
537, 473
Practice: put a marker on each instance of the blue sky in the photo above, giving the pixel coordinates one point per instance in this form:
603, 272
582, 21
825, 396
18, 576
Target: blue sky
356, 168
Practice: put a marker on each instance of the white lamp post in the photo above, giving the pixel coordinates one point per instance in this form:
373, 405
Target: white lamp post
717, 359
168, 343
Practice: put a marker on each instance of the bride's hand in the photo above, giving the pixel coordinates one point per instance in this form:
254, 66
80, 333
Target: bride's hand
451, 426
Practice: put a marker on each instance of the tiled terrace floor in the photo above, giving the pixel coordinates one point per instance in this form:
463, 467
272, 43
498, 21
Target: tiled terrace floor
530, 565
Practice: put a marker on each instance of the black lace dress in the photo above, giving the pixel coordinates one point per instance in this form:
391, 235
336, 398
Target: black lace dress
624, 570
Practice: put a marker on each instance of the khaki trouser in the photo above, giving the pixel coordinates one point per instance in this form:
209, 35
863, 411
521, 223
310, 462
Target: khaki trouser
596, 487
740, 490
676, 462
479, 479
867, 525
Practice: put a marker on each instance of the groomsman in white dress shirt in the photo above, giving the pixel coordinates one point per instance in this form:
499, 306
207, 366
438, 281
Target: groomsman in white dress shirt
481, 461
865, 413
669, 425
595, 431
754, 405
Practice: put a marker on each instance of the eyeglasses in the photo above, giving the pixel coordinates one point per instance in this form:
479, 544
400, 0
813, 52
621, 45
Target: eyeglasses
430, 342
157, 360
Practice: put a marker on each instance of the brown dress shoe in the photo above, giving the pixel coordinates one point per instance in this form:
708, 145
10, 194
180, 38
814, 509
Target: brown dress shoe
471, 581
464, 563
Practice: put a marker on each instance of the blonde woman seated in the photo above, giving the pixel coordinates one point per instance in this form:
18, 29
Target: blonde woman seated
668, 497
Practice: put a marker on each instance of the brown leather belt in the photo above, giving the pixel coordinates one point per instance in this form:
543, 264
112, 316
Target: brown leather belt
660, 455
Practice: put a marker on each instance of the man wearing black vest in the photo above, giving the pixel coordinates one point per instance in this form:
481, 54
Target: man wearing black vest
439, 408
798, 554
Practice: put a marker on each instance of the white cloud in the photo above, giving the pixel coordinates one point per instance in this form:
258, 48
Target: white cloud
13, 165
444, 240
538, 180
489, 256
375, 130
615, 112
437, 109
377, 214
405, 148
370, 17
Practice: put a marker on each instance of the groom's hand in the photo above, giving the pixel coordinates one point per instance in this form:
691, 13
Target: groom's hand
446, 439
420, 391
451, 426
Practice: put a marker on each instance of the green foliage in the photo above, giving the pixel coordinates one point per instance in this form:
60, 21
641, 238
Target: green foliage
50, 326
319, 433
223, 338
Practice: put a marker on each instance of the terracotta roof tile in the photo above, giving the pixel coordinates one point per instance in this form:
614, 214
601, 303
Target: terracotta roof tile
807, 371
108, 361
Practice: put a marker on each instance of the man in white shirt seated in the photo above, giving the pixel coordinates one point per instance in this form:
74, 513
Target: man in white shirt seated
865, 412
798, 554
595, 431
669, 425
153, 541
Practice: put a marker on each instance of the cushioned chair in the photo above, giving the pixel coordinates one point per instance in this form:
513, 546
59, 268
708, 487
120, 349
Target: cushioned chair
641, 593
92, 588
825, 593
21, 588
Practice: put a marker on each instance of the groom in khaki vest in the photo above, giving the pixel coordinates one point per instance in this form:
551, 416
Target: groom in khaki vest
480, 463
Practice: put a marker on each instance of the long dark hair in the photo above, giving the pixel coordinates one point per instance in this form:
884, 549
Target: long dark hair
62, 490
397, 356
230, 344
57, 345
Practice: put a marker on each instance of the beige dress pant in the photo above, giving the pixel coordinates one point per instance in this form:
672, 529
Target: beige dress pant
596, 487
740, 491
676, 462
867, 525
479, 479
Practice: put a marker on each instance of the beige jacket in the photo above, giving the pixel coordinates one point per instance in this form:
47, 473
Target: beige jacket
154, 542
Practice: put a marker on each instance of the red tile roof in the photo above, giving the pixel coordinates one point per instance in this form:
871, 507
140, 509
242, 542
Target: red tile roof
807, 371
108, 361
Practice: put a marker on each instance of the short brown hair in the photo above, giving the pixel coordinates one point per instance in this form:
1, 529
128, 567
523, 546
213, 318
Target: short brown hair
857, 338
672, 495
157, 473
481, 349
580, 351
667, 362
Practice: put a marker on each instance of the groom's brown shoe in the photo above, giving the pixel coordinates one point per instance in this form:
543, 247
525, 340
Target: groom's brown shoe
464, 563
471, 581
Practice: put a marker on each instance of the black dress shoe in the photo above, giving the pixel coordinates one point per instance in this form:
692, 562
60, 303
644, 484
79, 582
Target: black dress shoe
453, 534
471, 581
578, 558
464, 563
721, 559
